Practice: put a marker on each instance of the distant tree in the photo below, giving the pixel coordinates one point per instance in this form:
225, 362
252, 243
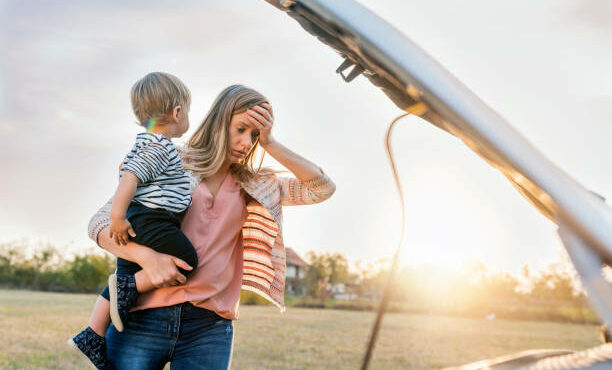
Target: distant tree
47, 269
556, 282
89, 272
324, 269
372, 277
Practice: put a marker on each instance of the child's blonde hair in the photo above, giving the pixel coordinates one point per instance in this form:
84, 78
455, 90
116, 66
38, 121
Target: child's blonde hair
156, 95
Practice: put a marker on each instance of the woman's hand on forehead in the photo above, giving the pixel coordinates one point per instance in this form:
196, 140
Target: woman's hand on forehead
268, 107
262, 118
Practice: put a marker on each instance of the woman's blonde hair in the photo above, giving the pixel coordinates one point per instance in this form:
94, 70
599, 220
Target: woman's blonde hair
156, 95
207, 149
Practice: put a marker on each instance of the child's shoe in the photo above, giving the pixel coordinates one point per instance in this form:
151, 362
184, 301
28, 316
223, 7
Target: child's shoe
123, 295
92, 346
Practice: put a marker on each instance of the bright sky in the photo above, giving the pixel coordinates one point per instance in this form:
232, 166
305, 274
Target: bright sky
66, 121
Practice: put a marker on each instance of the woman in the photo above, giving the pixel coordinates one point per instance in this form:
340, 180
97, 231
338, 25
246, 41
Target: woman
235, 225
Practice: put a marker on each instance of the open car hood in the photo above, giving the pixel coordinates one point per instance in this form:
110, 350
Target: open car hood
408, 76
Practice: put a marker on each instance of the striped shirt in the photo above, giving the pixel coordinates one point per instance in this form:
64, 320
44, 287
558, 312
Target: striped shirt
162, 181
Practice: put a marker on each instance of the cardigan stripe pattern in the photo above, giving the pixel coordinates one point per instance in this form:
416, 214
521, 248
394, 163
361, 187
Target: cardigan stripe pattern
264, 251
264, 257
261, 271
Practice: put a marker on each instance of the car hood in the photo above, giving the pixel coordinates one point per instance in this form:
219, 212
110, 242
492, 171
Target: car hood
408, 75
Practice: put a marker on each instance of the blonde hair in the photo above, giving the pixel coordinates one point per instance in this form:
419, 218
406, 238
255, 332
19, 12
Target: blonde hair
155, 95
208, 148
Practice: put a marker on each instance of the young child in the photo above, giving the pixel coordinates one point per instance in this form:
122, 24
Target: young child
152, 196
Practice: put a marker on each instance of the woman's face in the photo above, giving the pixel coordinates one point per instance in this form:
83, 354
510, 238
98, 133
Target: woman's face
242, 136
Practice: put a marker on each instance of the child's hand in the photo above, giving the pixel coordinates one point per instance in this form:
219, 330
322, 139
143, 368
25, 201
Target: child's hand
121, 230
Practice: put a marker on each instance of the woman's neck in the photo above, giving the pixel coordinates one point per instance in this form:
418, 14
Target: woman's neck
222, 172
226, 166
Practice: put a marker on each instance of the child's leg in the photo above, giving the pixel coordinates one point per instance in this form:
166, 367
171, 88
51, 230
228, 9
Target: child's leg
159, 230
91, 342
100, 316
176, 244
143, 283
127, 284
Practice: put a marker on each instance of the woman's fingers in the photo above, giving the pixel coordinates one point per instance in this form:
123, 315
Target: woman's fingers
268, 108
182, 264
163, 270
260, 128
263, 111
263, 115
257, 118
176, 279
180, 278
262, 119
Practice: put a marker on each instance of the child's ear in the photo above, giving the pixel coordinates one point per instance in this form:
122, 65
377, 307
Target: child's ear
175, 112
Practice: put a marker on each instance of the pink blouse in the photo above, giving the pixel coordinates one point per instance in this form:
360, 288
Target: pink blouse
214, 227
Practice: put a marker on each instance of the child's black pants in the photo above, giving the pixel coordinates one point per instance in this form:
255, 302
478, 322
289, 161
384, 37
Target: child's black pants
159, 230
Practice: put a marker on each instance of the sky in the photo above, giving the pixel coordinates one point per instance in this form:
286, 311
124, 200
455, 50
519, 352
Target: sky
66, 121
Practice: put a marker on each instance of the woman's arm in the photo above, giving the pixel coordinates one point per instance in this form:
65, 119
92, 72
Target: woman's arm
311, 184
160, 268
295, 192
263, 118
301, 167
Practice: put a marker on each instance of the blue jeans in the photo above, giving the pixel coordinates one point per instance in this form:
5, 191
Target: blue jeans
188, 337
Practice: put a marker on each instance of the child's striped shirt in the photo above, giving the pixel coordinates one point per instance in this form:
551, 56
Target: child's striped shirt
162, 181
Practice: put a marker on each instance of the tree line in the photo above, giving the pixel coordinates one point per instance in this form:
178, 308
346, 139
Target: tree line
552, 293
47, 269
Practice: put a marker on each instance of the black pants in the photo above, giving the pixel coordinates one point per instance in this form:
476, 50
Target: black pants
159, 230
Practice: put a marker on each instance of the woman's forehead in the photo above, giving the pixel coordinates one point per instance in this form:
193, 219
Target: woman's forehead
241, 118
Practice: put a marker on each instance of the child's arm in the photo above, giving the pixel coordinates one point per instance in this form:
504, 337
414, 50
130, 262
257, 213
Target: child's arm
150, 159
120, 227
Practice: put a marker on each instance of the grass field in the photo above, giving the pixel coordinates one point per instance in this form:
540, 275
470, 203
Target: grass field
34, 327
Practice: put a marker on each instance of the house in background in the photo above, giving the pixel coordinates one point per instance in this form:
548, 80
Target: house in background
343, 291
296, 270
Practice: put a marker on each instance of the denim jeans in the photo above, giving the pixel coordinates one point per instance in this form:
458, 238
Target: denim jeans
188, 337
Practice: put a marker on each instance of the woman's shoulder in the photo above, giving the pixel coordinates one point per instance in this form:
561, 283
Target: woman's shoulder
180, 150
194, 180
266, 175
268, 172
263, 181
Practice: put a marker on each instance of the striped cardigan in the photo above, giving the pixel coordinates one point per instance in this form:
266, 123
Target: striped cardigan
264, 252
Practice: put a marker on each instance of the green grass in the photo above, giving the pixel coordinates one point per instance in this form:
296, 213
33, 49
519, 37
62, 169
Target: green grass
34, 327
